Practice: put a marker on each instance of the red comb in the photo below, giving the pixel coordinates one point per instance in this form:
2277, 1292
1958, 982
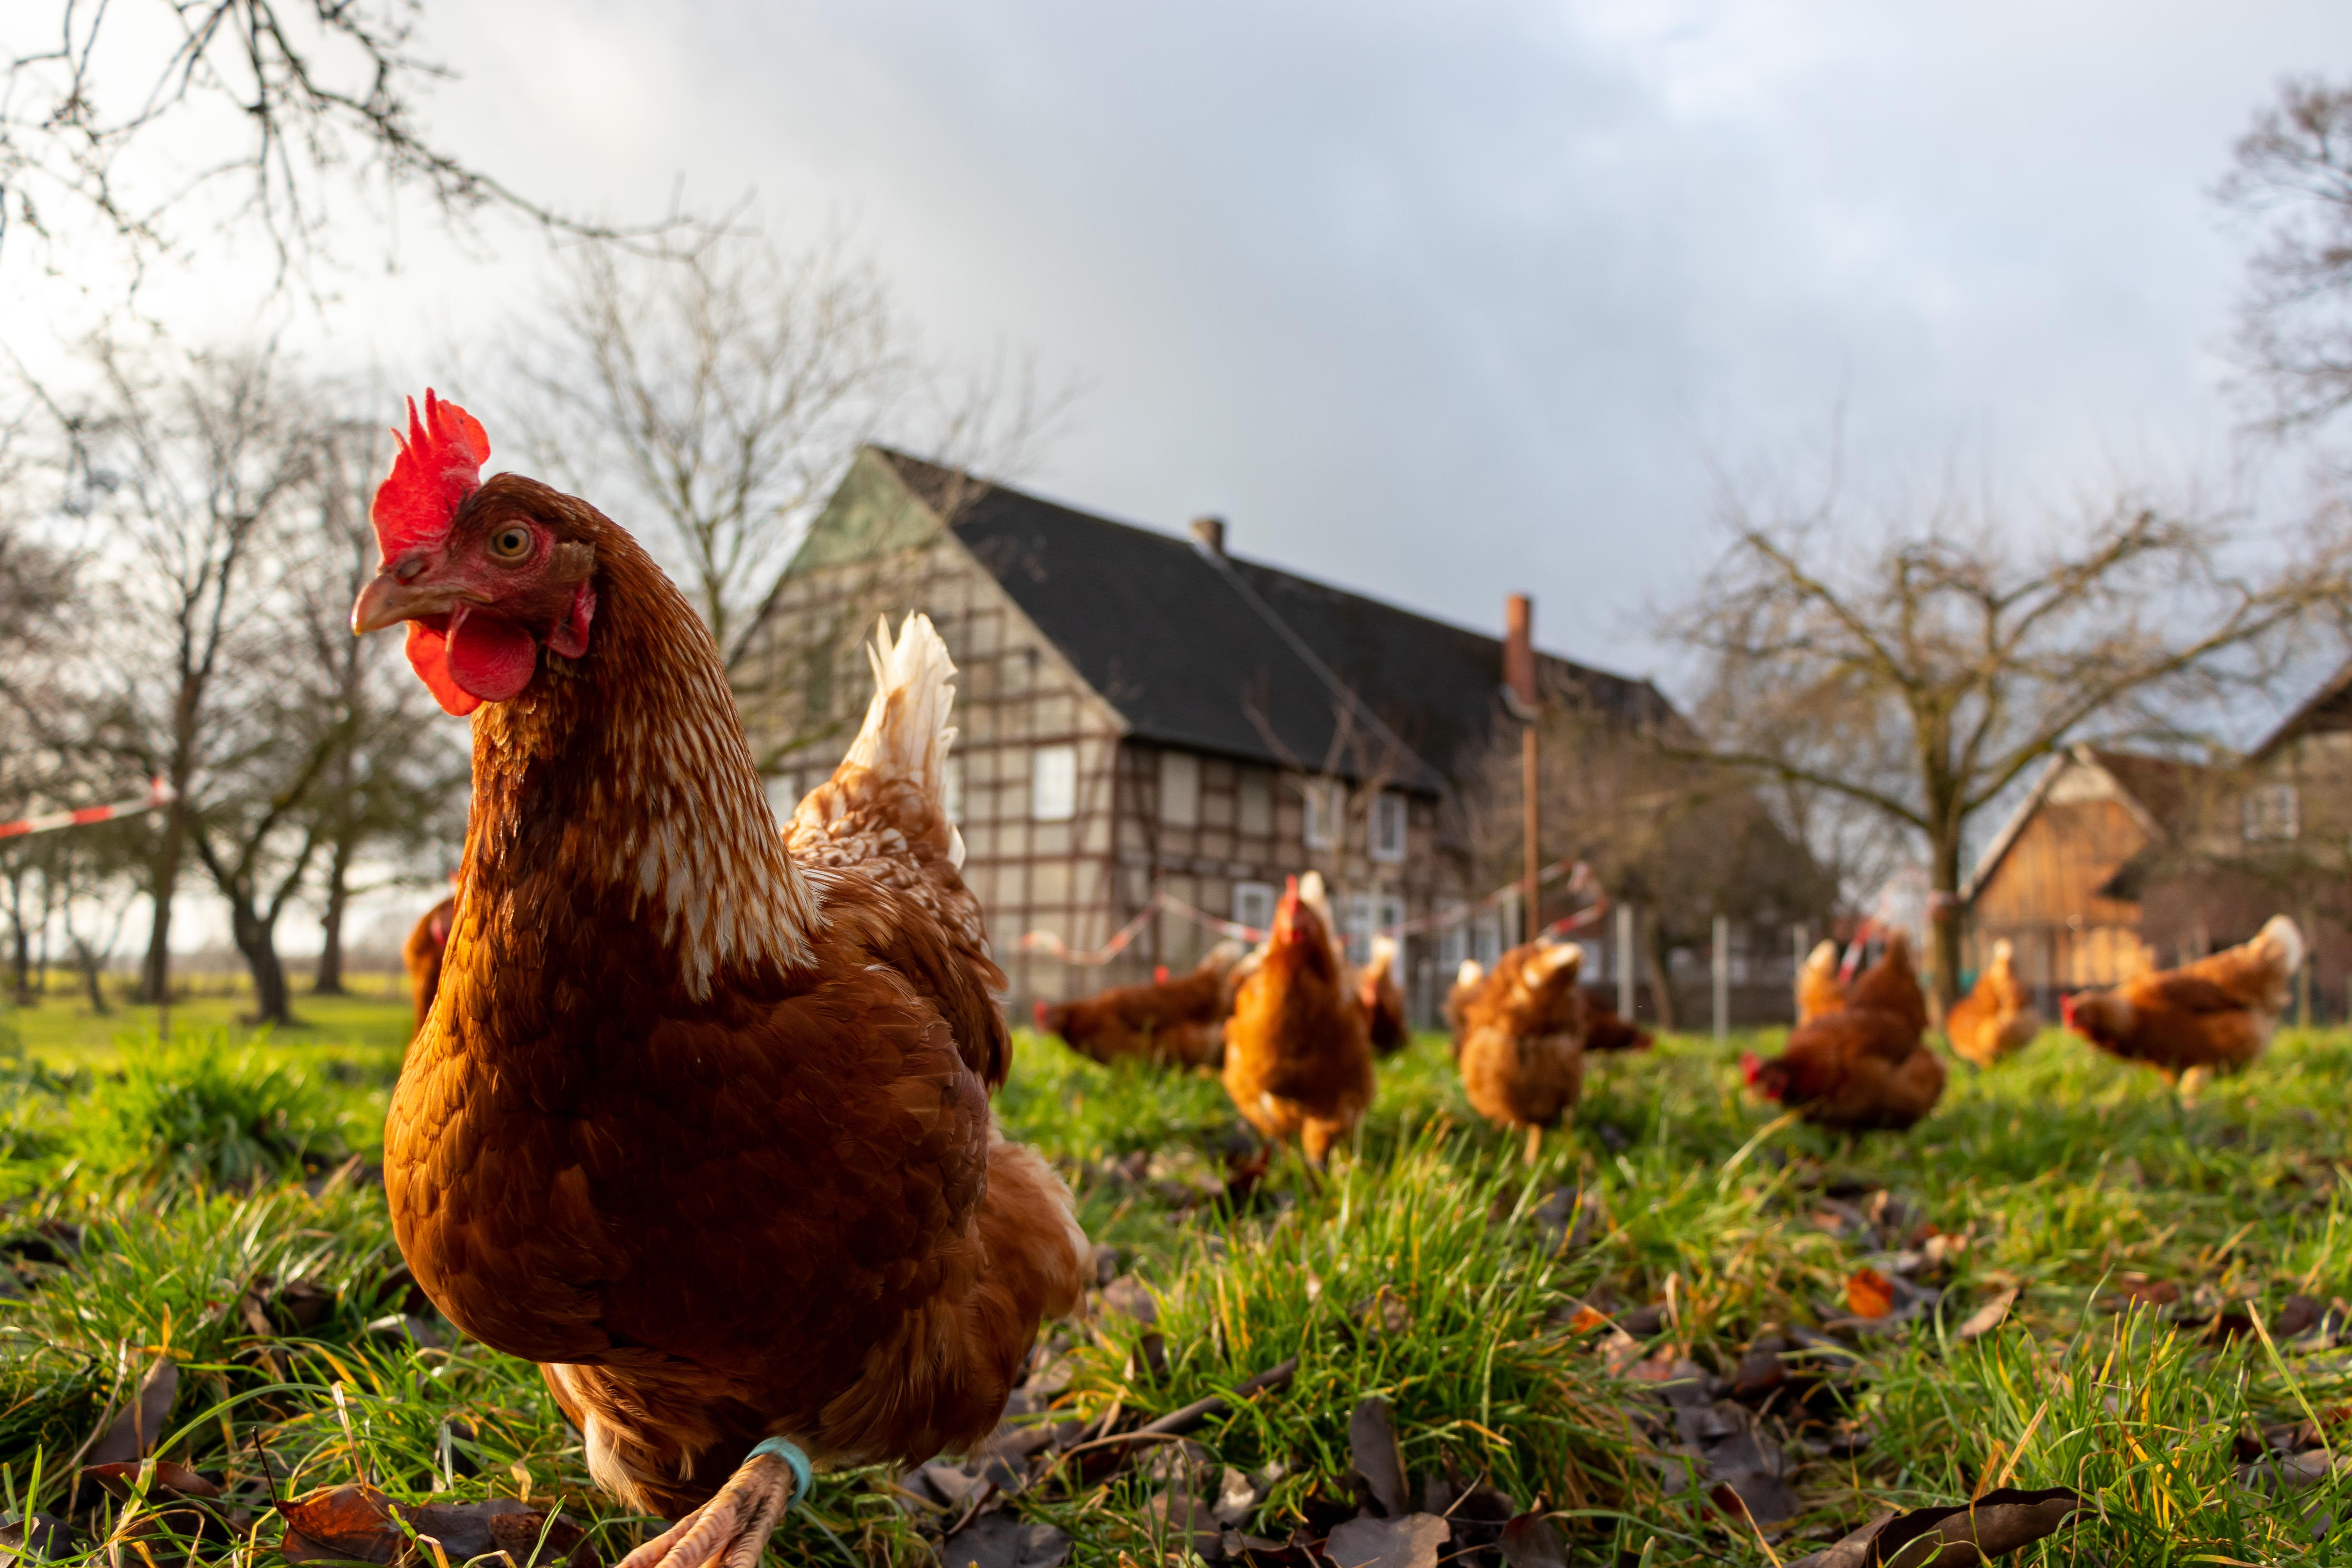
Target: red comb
439, 464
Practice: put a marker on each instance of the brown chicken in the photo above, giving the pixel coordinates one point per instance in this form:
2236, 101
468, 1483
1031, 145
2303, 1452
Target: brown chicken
421, 956
1298, 1061
1996, 1018
2213, 1015
1819, 986
699, 1122
1864, 1064
1522, 1047
1178, 1021
1607, 1030
1383, 1000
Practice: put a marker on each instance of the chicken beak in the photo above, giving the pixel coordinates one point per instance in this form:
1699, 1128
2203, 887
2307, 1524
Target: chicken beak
387, 600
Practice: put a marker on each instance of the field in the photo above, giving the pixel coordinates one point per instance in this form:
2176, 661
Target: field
1688, 1314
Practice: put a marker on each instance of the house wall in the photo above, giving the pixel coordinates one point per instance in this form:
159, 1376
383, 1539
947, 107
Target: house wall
2043, 895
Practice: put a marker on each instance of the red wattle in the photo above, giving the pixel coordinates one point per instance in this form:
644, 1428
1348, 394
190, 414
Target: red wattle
428, 655
491, 657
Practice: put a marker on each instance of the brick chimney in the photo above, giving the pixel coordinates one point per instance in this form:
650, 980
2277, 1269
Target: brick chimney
1518, 647
1209, 534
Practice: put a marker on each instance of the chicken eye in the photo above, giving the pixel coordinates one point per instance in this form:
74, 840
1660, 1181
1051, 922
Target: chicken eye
511, 542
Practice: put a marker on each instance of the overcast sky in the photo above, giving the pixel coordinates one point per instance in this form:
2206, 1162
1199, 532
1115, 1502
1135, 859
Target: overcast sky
1448, 301
1441, 301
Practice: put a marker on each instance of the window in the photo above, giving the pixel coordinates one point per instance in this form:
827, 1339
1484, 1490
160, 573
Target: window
1054, 784
1487, 938
1256, 802
1322, 827
1388, 827
1180, 789
1253, 905
1452, 939
1388, 913
1356, 923
951, 787
2270, 811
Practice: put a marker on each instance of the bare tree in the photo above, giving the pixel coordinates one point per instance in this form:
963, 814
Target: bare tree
2293, 174
184, 464
1919, 676
150, 122
711, 401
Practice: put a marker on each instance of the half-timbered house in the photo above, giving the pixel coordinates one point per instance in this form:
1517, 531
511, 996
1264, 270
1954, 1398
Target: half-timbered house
1146, 713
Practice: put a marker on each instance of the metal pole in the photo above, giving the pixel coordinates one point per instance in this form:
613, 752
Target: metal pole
1519, 671
1625, 961
1722, 976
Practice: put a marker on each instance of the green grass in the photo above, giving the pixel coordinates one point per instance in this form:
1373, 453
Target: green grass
1419, 1270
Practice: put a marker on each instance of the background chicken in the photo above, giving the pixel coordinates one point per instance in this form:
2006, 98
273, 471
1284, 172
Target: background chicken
2215, 1015
1383, 999
1605, 1029
1862, 1065
1818, 989
1522, 1045
701, 1128
1996, 1018
1180, 1022
421, 953
1298, 1061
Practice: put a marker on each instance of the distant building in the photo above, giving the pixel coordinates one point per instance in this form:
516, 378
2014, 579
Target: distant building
1141, 712
2054, 880
2118, 863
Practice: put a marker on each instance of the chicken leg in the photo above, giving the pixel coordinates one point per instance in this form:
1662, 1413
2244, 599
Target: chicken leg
731, 1530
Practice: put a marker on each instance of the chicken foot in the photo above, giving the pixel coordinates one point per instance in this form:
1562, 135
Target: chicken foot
731, 1530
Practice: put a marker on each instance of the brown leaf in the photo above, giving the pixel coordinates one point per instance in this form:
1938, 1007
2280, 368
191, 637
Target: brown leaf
1530, 1542
1005, 1541
42, 1539
358, 1522
2140, 1291
1372, 1450
1995, 1524
1408, 1543
1174, 1514
1869, 1293
140, 1428
1586, 1320
1987, 1317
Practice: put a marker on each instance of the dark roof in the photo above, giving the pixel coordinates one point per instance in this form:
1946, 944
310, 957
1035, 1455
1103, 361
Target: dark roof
2169, 789
2329, 708
1218, 654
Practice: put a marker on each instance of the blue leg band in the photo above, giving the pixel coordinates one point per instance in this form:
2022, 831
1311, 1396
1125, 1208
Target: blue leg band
787, 1450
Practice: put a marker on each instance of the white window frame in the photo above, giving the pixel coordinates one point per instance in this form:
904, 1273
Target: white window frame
1388, 911
1180, 789
1254, 904
1054, 784
2270, 811
1452, 939
1355, 926
1321, 824
1390, 817
1486, 937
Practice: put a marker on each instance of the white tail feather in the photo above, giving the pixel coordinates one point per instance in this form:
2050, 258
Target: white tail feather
907, 733
2283, 934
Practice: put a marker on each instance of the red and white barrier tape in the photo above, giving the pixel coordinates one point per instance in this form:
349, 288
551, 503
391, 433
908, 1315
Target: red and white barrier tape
1578, 875
159, 794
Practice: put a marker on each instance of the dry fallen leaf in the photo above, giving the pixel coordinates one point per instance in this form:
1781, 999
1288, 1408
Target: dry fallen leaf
140, 1428
1373, 1448
1987, 1317
1997, 1523
1530, 1542
358, 1523
1586, 1320
1408, 1543
1869, 1293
